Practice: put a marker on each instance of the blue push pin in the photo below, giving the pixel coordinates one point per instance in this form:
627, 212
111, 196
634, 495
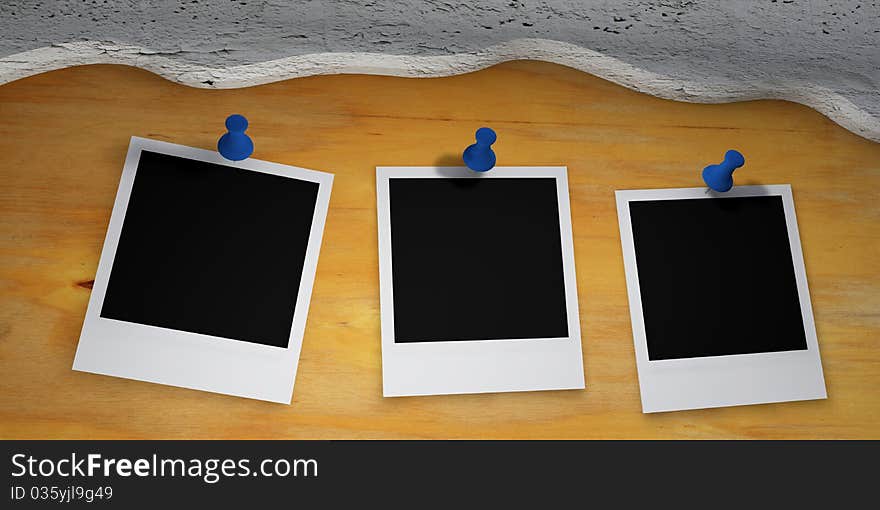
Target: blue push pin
235, 145
479, 157
720, 177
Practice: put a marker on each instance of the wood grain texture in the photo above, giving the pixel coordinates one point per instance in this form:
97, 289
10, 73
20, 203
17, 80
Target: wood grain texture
62, 145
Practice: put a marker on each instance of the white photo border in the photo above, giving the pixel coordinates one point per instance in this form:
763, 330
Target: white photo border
729, 380
478, 366
193, 360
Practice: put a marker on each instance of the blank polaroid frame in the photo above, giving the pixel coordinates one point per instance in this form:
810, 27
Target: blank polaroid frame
196, 360
473, 365
730, 379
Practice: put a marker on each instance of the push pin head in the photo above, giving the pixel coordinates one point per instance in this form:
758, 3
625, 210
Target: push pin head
480, 157
235, 145
720, 177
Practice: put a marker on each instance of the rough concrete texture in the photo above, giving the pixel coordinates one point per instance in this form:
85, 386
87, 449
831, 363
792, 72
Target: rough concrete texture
825, 54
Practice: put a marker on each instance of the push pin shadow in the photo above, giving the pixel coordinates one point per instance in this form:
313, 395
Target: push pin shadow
235, 145
720, 177
480, 157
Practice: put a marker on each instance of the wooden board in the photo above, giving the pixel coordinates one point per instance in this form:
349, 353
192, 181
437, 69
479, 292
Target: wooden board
63, 141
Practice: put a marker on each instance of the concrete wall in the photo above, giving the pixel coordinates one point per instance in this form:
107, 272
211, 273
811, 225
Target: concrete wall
825, 54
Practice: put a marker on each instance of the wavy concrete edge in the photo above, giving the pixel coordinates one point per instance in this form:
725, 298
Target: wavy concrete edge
715, 90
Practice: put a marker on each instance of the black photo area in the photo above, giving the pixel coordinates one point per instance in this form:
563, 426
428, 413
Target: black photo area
476, 259
211, 249
716, 277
